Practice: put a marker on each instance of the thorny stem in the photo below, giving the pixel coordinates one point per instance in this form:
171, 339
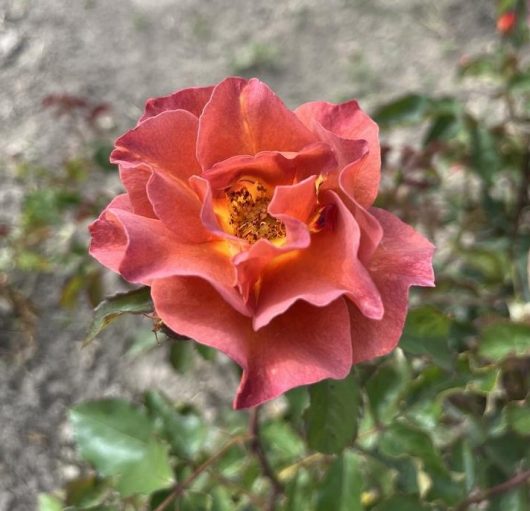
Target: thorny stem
257, 448
179, 488
512, 483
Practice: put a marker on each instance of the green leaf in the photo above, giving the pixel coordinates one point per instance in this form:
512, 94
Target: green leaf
401, 503
444, 127
507, 452
482, 65
284, 445
101, 156
299, 492
331, 418
137, 301
341, 489
39, 208
502, 340
385, 389
515, 500
401, 439
520, 82
184, 430
426, 333
86, 492
181, 355
119, 441
221, 500
205, 352
192, 501
143, 341
518, 418
71, 289
49, 503
464, 461
488, 264
406, 109
298, 399
483, 152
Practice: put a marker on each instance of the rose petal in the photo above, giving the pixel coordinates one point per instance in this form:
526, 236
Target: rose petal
296, 201
329, 268
178, 207
347, 151
207, 214
371, 231
135, 180
143, 250
108, 240
371, 338
403, 253
273, 167
403, 259
346, 120
305, 345
192, 100
165, 143
244, 118
291, 351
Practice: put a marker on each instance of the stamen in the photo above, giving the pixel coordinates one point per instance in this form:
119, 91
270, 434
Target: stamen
248, 215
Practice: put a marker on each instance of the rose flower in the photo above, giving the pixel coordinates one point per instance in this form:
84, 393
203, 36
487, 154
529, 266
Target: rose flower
254, 227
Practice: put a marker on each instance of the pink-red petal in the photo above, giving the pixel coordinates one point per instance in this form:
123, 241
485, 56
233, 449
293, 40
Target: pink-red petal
108, 239
326, 270
165, 143
273, 167
244, 118
178, 207
192, 100
135, 180
403, 259
305, 345
403, 253
143, 249
361, 178
290, 352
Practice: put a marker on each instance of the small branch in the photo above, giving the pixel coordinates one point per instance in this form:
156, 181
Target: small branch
512, 483
257, 448
179, 488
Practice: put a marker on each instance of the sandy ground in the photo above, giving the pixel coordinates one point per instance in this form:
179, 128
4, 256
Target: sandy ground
122, 52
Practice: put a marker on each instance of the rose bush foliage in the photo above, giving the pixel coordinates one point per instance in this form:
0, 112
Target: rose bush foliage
254, 226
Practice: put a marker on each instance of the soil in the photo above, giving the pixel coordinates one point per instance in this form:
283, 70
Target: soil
121, 53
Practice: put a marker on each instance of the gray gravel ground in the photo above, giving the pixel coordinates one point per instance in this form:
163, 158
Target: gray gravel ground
122, 52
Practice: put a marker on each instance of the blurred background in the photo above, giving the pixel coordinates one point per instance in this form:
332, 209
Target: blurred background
75, 74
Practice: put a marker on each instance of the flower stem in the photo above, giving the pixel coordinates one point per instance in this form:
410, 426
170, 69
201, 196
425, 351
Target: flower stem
257, 448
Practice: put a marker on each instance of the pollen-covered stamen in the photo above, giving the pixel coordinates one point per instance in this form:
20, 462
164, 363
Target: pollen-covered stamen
248, 215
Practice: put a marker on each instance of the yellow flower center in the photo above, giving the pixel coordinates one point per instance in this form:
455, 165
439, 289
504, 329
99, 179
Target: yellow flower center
243, 212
